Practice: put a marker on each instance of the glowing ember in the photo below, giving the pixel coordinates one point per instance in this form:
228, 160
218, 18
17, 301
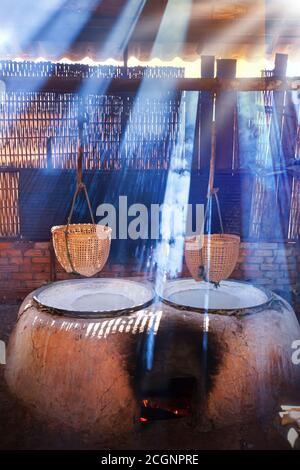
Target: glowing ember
163, 408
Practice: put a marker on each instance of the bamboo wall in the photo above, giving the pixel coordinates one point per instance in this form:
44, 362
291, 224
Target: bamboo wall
9, 204
39, 131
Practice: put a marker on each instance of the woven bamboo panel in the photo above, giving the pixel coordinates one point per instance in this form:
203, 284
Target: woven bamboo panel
294, 223
40, 130
264, 112
257, 205
27, 68
28, 119
264, 105
9, 205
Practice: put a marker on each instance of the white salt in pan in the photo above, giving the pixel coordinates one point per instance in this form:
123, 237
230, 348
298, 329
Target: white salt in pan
94, 295
228, 296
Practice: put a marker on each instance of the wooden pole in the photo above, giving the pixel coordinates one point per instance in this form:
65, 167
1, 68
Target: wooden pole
206, 113
277, 150
225, 107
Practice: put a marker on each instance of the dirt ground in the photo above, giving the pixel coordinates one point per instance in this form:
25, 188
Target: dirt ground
20, 430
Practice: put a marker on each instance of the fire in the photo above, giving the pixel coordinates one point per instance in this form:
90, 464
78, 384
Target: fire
143, 420
166, 407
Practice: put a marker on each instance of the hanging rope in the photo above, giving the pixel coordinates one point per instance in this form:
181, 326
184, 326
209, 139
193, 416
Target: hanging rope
211, 191
81, 248
80, 186
218, 256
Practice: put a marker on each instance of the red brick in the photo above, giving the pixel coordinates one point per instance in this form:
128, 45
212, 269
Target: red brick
251, 259
290, 252
63, 276
41, 259
251, 273
12, 252
237, 274
268, 246
41, 276
22, 276
4, 261
40, 267
292, 276
280, 260
16, 260
34, 284
285, 282
251, 266
245, 252
284, 252
42, 245
5, 275
271, 274
32, 252
5, 245
268, 267
291, 261
269, 259
264, 252
10, 285
250, 245
26, 265
268, 283
117, 268
255, 259
10, 268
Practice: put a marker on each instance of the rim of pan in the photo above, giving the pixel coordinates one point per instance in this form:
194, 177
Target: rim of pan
93, 313
221, 311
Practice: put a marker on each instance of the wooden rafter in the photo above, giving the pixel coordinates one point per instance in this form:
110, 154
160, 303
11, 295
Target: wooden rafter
73, 85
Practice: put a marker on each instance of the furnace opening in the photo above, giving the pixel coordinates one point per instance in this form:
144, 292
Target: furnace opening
171, 399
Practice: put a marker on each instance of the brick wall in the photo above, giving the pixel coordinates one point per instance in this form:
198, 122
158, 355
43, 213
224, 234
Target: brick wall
273, 265
24, 266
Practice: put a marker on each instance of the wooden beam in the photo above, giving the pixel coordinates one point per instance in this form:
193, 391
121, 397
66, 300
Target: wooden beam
115, 85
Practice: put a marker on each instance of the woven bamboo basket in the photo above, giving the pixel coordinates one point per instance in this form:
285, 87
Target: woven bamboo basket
215, 260
82, 248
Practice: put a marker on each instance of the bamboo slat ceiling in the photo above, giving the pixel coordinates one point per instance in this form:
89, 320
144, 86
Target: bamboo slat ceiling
223, 28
